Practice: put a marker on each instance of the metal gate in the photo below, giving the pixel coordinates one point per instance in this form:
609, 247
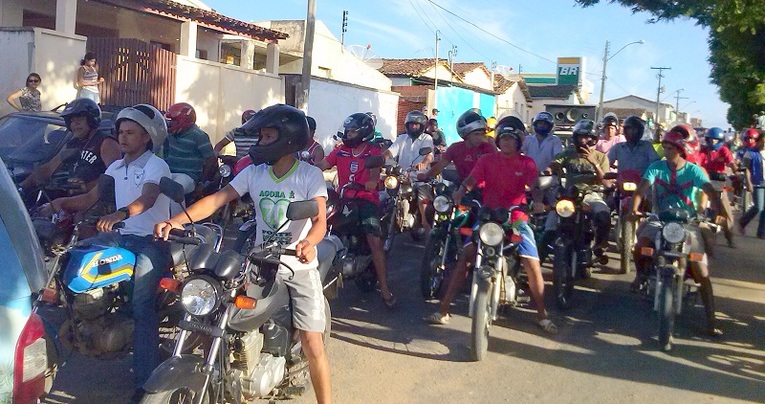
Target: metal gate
134, 72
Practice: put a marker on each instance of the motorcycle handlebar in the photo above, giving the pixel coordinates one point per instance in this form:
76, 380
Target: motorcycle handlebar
181, 236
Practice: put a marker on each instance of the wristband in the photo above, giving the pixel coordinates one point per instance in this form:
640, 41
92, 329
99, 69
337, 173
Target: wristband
125, 211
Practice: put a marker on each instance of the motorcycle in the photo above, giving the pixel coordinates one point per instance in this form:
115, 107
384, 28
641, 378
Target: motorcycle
400, 211
242, 306
497, 277
92, 283
573, 246
626, 185
670, 283
237, 208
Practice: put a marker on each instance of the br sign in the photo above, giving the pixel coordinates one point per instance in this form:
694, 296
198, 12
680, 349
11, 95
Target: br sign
569, 70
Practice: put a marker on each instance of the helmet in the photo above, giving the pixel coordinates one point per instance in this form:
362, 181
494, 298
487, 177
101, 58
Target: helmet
373, 116
512, 126
82, 107
676, 139
470, 121
415, 117
715, 133
584, 127
692, 144
363, 123
311, 123
290, 124
246, 115
151, 121
181, 116
633, 122
542, 117
610, 119
750, 137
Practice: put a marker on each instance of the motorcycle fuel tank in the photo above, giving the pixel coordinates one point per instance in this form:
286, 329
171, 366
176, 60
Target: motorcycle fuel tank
97, 266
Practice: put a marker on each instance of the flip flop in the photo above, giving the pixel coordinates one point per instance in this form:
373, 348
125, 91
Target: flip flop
548, 326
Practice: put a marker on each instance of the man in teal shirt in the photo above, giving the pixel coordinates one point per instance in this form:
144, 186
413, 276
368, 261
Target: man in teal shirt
187, 149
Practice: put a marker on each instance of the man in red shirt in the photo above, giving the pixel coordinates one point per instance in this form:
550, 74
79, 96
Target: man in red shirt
471, 127
349, 158
715, 157
505, 175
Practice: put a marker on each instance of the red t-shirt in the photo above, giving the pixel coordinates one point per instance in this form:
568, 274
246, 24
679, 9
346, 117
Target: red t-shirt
715, 161
505, 179
350, 168
464, 158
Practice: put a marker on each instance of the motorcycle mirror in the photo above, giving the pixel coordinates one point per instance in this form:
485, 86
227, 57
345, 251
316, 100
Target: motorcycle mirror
425, 151
374, 162
106, 189
544, 182
304, 155
609, 176
172, 190
302, 210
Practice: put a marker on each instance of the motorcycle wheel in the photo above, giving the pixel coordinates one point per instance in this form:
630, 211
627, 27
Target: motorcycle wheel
431, 273
563, 283
367, 280
479, 332
179, 396
666, 312
627, 231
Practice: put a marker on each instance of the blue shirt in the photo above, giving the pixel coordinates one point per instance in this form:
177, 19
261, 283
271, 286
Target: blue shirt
636, 158
675, 189
542, 152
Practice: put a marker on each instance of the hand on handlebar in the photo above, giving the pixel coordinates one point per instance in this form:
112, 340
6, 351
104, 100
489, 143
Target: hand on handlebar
162, 230
105, 223
304, 251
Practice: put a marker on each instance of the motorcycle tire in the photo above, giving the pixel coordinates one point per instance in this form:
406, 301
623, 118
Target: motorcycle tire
627, 230
431, 273
479, 331
563, 282
367, 280
666, 311
178, 396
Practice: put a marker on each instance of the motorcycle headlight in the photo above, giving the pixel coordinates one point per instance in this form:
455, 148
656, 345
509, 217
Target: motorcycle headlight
491, 234
565, 208
199, 297
391, 182
441, 204
224, 170
673, 233
629, 186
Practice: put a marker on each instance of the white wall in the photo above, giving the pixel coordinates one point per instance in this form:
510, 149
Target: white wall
54, 56
666, 111
477, 77
219, 93
513, 100
331, 102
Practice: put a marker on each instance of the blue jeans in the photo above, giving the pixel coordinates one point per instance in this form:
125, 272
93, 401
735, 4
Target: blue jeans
151, 259
758, 194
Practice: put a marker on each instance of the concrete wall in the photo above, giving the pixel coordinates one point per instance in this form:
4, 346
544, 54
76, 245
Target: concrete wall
219, 93
666, 111
331, 102
477, 77
55, 57
513, 100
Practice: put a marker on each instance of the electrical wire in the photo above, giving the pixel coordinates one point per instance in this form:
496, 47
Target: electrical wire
460, 36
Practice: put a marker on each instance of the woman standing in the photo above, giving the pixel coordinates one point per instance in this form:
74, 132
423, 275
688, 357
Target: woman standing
88, 79
28, 98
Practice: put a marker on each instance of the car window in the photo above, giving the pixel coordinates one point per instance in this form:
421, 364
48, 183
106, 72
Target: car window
30, 140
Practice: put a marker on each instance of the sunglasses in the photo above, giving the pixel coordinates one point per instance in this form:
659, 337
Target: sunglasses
33, 81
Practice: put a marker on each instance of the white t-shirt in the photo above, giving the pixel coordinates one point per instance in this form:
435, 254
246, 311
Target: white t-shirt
128, 185
272, 196
408, 150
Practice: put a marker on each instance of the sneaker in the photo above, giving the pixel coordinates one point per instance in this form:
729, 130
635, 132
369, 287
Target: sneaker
438, 318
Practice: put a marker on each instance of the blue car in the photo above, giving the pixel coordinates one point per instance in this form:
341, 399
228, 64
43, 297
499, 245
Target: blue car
27, 352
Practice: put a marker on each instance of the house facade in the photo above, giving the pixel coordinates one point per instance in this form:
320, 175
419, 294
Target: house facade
643, 107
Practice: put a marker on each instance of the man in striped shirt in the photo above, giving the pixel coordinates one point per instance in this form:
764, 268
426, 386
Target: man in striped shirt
187, 149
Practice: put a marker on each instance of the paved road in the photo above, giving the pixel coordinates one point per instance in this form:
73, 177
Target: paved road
606, 350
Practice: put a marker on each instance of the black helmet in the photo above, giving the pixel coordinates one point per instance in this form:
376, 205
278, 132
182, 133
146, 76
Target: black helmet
291, 125
510, 126
470, 121
82, 107
363, 123
633, 122
543, 117
415, 117
584, 127
610, 119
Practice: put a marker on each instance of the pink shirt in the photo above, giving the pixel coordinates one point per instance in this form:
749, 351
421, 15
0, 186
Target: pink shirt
604, 145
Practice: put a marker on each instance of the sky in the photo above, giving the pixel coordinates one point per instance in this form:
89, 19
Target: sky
530, 34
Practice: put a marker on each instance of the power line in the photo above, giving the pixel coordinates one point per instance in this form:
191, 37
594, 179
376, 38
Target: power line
460, 36
489, 33
433, 30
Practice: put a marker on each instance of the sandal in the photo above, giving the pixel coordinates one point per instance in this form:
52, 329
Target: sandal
438, 318
390, 302
548, 326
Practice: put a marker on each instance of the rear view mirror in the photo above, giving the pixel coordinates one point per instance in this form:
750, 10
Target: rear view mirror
544, 182
302, 210
374, 162
425, 151
171, 189
106, 189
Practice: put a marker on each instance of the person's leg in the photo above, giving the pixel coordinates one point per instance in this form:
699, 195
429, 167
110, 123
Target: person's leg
424, 200
758, 194
529, 256
457, 278
318, 365
601, 217
370, 224
646, 232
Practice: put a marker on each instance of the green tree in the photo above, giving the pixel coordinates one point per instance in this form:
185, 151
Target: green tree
736, 44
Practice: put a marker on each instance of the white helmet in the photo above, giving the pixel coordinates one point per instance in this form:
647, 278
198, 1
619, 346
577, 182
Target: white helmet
150, 119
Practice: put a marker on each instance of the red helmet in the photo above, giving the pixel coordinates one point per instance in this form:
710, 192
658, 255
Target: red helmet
180, 117
692, 144
750, 137
676, 139
247, 114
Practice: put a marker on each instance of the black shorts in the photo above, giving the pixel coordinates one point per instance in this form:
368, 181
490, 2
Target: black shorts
369, 219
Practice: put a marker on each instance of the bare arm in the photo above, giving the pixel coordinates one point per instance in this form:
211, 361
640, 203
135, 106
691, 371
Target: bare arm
12, 100
323, 165
210, 166
220, 145
304, 249
639, 194
466, 186
78, 203
318, 155
436, 168
110, 151
149, 195
42, 174
200, 210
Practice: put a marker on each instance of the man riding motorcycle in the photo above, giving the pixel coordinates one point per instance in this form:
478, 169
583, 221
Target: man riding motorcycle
633, 155
715, 157
610, 136
677, 181
545, 145
187, 149
141, 130
505, 175
238, 137
349, 160
274, 179
94, 150
406, 149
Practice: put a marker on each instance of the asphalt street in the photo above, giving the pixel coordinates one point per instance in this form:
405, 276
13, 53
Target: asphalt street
606, 350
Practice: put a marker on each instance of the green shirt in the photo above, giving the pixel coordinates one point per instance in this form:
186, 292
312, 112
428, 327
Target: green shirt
187, 151
578, 169
676, 189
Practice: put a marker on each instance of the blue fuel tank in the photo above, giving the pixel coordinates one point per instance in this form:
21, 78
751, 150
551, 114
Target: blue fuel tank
97, 266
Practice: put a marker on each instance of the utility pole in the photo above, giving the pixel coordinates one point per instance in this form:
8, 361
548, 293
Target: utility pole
493, 71
677, 100
344, 28
658, 93
452, 56
599, 113
435, 74
305, 78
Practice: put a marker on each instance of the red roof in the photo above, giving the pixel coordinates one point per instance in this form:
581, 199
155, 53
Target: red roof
409, 67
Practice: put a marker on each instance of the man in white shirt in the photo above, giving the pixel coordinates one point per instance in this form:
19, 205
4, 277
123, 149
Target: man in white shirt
545, 145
